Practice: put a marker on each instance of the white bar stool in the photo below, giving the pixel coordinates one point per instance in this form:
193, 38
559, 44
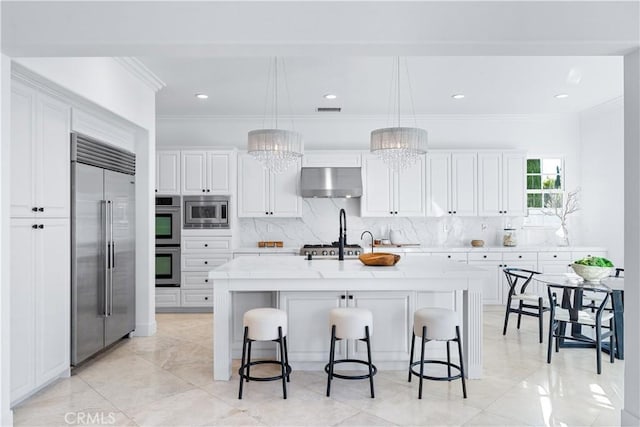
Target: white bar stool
264, 324
356, 324
436, 324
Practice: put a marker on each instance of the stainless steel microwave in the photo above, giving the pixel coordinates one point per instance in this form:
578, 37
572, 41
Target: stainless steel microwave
206, 211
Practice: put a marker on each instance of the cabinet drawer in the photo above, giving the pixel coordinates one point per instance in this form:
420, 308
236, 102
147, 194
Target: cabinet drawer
583, 254
454, 256
167, 297
191, 298
204, 262
205, 244
485, 256
554, 256
522, 256
196, 280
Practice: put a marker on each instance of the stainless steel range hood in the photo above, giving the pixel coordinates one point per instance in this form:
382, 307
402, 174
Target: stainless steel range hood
331, 182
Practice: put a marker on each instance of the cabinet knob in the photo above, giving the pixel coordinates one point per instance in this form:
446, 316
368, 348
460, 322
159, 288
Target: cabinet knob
519, 256
34, 226
555, 256
203, 190
455, 212
40, 209
270, 213
206, 280
206, 245
208, 191
449, 212
448, 256
350, 296
505, 212
206, 262
484, 256
266, 213
343, 296
34, 209
391, 212
206, 298
156, 190
396, 212
41, 226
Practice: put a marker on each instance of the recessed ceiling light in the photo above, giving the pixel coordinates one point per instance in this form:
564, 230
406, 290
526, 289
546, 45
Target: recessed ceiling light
457, 96
330, 96
561, 96
202, 96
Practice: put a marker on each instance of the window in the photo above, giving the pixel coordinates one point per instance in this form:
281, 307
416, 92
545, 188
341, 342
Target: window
545, 183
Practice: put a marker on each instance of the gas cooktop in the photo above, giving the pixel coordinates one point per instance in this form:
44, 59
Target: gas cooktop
330, 250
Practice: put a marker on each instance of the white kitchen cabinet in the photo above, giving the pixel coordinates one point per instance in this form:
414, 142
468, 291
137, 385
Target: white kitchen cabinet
40, 154
196, 298
206, 172
524, 260
451, 183
334, 159
554, 262
167, 297
388, 194
40, 303
502, 183
492, 289
262, 193
168, 172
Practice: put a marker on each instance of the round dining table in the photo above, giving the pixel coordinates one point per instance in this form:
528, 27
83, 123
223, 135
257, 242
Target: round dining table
613, 285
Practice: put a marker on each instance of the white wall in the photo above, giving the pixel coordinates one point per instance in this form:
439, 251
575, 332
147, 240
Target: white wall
631, 413
602, 177
6, 415
109, 85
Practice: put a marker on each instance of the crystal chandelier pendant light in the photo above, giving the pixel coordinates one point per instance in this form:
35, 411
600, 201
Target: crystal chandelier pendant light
277, 149
399, 147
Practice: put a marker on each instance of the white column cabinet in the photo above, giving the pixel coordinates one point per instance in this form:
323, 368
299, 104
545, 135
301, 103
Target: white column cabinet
451, 183
168, 172
501, 183
387, 193
40, 302
206, 172
262, 193
40, 154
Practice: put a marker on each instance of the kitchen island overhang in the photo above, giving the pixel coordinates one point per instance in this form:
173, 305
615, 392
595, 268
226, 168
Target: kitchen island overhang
297, 274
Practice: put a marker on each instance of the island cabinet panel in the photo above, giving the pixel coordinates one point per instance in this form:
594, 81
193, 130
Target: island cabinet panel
392, 320
240, 303
309, 332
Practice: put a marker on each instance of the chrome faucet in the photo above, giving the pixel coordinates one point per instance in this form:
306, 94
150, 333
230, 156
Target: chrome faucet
370, 234
342, 237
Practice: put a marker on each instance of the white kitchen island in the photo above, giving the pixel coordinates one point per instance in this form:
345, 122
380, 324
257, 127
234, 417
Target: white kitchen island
308, 289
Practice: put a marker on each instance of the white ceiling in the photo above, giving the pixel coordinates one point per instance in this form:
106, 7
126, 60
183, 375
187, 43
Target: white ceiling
491, 85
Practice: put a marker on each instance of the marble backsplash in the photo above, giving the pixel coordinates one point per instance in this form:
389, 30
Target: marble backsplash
320, 224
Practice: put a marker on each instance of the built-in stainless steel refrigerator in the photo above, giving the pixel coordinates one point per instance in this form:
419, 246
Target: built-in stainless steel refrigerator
103, 246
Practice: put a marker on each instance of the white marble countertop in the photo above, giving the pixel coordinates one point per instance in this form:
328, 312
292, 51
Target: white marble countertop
256, 267
444, 249
257, 250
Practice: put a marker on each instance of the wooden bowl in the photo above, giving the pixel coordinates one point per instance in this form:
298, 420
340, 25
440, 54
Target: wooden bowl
477, 243
379, 259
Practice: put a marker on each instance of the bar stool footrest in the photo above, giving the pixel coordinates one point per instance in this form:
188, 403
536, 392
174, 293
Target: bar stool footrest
439, 362
263, 362
374, 370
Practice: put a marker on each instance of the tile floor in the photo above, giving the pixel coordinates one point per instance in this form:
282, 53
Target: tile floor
166, 380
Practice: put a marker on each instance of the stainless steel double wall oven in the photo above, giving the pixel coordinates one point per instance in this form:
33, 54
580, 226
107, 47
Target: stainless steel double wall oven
168, 226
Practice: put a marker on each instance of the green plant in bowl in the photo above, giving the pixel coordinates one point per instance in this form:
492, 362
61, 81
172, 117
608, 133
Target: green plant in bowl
592, 269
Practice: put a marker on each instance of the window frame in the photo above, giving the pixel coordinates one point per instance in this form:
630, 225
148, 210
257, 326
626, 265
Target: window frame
542, 191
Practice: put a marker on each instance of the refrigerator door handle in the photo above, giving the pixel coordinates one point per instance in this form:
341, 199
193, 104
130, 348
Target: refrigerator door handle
113, 258
107, 255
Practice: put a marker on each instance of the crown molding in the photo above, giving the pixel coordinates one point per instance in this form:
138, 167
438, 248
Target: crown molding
351, 117
141, 72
